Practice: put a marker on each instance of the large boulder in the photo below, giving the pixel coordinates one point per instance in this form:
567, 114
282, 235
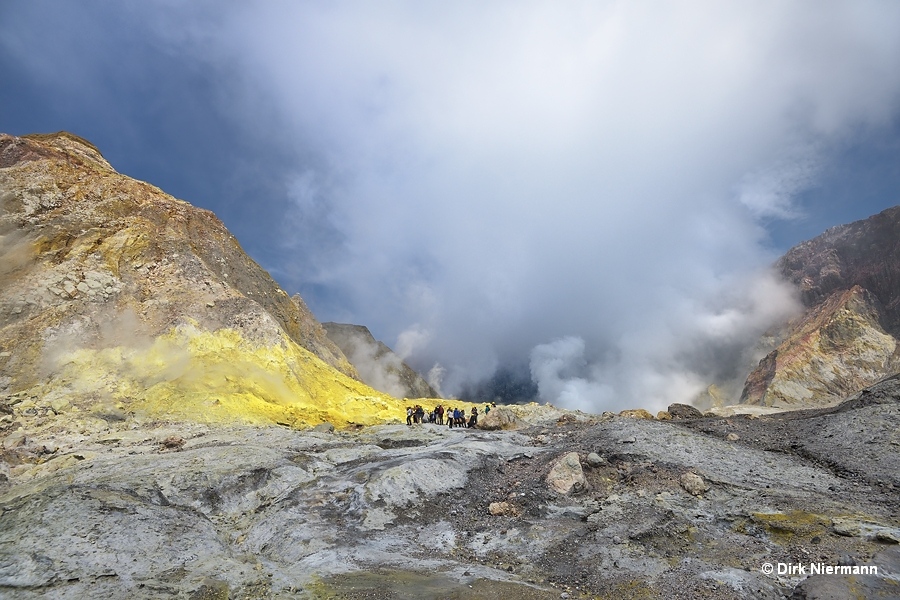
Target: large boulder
566, 475
684, 411
500, 418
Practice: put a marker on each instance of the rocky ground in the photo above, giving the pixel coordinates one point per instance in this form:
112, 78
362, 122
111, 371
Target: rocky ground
567, 506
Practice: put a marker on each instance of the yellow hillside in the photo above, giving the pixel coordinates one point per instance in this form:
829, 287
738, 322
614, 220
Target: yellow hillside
221, 377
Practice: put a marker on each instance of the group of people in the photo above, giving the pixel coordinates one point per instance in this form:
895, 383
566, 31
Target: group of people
455, 417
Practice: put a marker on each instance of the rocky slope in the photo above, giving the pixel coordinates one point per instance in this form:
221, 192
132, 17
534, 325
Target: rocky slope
563, 506
849, 281
378, 365
116, 298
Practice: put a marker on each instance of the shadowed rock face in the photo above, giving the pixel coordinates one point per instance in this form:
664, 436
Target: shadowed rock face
864, 253
376, 363
677, 510
849, 280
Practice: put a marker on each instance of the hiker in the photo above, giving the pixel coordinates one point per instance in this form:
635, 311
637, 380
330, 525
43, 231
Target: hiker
409, 415
473, 420
439, 414
420, 414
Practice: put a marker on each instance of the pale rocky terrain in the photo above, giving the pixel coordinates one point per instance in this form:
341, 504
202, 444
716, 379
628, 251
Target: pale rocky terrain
560, 505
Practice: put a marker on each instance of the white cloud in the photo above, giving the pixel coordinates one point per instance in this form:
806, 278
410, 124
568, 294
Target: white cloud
411, 340
516, 173
516, 177
770, 191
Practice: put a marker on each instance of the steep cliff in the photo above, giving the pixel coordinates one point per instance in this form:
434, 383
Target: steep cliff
113, 292
846, 339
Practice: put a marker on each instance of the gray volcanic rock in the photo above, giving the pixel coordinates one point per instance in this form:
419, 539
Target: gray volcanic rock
683, 411
143, 509
378, 366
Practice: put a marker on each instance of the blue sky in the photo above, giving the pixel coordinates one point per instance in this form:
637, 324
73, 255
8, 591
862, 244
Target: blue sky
592, 191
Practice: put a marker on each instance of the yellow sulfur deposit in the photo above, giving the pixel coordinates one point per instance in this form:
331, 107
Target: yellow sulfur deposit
197, 375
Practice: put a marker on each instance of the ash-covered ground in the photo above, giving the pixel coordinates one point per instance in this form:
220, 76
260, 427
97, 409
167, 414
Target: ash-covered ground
566, 505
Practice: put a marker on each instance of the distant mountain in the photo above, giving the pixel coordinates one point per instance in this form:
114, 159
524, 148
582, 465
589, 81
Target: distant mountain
115, 293
378, 365
847, 338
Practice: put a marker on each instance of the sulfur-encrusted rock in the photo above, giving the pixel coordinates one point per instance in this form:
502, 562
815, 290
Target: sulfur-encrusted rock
636, 413
503, 509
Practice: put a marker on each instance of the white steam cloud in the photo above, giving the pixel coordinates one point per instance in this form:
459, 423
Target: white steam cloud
411, 340
673, 360
378, 369
435, 378
584, 185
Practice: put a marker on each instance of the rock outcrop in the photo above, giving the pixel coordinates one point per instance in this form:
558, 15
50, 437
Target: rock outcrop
849, 281
683, 411
114, 294
378, 366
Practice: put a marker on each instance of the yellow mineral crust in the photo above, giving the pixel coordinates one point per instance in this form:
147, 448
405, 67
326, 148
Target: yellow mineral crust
220, 377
